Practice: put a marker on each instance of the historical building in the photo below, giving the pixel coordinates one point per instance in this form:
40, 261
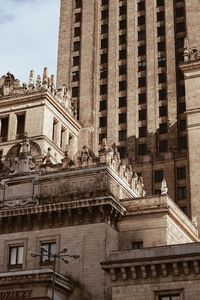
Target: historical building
121, 61
92, 168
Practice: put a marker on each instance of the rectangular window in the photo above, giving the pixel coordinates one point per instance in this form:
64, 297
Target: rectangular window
141, 81
75, 76
142, 149
181, 173
163, 111
62, 137
163, 146
183, 142
137, 245
142, 98
76, 60
170, 297
141, 65
75, 91
78, 3
122, 86
103, 89
54, 132
160, 16
162, 61
101, 137
77, 46
4, 129
159, 175
161, 46
20, 125
104, 58
122, 24
122, 135
122, 118
122, 39
181, 192
122, 54
162, 94
47, 252
102, 122
162, 78
182, 125
77, 31
78, 17
141, 6
104, 43
163, 128
102, 105
122, 69
122, 101
141, 20
142, 131
104, 28
104, 14
141, 50
142, 114
103, 73
122, 10
141, 35
161, 31
16, 254
122, 152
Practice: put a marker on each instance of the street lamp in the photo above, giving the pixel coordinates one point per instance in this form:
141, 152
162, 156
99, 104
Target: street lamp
62, 255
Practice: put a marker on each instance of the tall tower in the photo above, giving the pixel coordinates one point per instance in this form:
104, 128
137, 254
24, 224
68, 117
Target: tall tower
121, 60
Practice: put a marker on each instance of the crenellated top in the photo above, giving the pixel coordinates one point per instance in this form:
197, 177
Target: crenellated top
10, 86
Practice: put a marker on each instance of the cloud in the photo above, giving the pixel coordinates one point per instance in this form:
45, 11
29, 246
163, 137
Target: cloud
5, 17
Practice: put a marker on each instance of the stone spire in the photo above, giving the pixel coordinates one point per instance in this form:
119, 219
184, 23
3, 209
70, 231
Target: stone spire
31, 80
45, 78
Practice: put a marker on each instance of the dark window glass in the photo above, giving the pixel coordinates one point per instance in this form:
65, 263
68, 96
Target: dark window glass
163, 146
182, 107
162, 94
75, 76
78, 17
104, 28
77, 46
122, 152
163, 111
163, 128
141, 35
104, 43
122, 101
182, 125
122, 118
122, 54
159, 175
160, 3
101, 137
75, 91
20, 125
76, 60
102, 121
141, 65
122, 85
141, 6
103, 73
180, 11
137, 245
161, 61
141, 50
183, 142
78, 3
181, 192
161, 46
180, 27
142, 131
122, 10
103, 89
122, 135
104, 14
122, 24
77, 31
142, 149
160, 16
142, 114
162, 78
161, 31
181, 173
102, 105
122, 39
104, 2
4, 129
141, 81
142, 98
104, 58
122, 69
181, 91
141, 20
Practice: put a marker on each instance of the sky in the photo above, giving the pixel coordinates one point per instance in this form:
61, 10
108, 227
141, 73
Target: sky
28, 36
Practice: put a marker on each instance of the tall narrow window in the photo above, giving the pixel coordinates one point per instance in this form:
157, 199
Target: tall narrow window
16, 256
62, 137
54, 132
20, 125
4, 129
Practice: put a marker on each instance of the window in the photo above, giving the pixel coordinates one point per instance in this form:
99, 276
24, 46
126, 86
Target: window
181, 192
76, 46
103, 89
20, 125
122, 118
104, 14
160, 16
122, 39
142, 98
141, 50
78, 3
141, 20
122, 24
54, 132
141, 35
47, 255
142, 131
141, 6
163, 146
163, 128
170, 297
159, 175
78, 17
75, 76
162, 78
102, 105
142, 114
122, 152
102, 121
104, 58
161, 31
104, 2
122, 54
4, 129
161, 61
141, 81
160, 3
163, 111
77, 31
182, 125
62, 137
75, 91
141, 65
76, 60
122, 101
122, 69
104, 28
180, 12
182, 107
122, 10
161, 46
142, 149
103, 73
181, 173
162, 94
122, 86
137, 245
180, 27
181, 91
183, 142
16, 254
122, 135
101, 137
104, 43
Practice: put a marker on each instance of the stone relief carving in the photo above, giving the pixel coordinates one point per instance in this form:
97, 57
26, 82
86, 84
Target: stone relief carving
190, 54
